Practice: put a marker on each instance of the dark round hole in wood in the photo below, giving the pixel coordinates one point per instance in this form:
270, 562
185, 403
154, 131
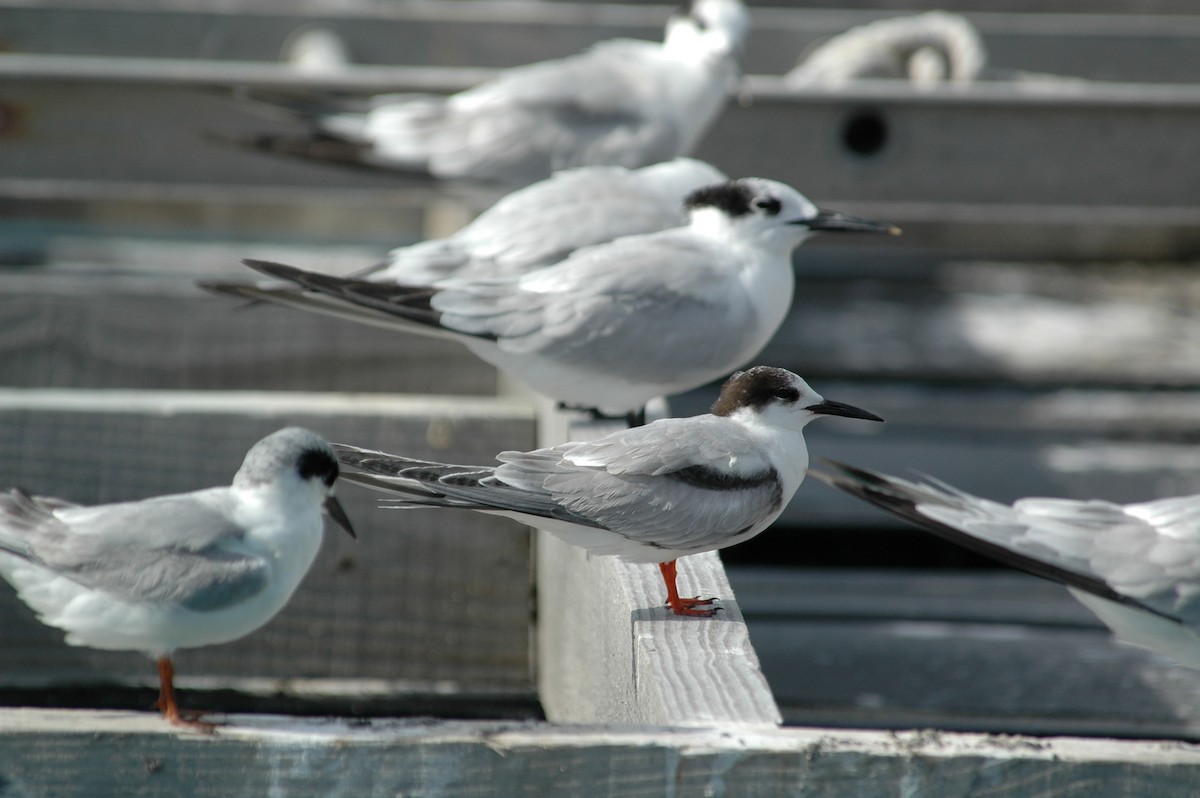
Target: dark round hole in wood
865, 133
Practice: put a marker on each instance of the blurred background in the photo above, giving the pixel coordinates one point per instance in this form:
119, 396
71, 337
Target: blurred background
1034, 332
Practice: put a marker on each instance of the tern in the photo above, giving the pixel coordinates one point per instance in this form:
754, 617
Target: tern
650, 494
623, 102
1136, 566
927, 49
176, 571
613, 325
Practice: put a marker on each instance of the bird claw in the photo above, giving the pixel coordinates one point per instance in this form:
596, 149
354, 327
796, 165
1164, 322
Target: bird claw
185, 718
688, 607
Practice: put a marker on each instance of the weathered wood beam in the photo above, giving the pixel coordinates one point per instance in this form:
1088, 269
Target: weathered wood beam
86, 754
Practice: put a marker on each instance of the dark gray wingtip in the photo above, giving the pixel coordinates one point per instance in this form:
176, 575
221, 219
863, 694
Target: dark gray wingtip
903, 499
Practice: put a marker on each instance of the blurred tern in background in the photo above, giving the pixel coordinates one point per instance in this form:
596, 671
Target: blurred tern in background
926, 49
617, 324
1136, 566
651, 494
177, 571
624, 102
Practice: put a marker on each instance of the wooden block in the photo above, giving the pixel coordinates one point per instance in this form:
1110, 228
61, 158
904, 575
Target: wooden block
86, 754
610, 652
434, 597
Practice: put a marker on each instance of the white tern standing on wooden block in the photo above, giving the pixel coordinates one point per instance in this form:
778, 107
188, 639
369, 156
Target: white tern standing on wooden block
617, 324
624, 102
654, 493
177, 571
1137, 566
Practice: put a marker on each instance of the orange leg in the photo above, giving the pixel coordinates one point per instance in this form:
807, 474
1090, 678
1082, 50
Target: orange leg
166, 700
683, 606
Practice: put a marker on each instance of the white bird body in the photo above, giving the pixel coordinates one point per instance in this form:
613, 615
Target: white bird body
648, 494
616, 324
176, 571
623, 102
1137, 566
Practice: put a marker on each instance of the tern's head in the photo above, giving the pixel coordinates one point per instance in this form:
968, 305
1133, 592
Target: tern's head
708, 27
770, 212
778, 398
298, 462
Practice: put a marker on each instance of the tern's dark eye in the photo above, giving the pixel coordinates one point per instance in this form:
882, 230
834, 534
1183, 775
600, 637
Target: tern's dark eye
788, 395
771, 205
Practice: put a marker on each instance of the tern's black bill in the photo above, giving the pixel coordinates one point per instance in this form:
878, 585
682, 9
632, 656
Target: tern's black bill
838, 222
334, 509
828, 408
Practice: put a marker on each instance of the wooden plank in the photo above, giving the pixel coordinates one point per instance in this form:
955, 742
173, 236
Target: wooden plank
610, 652
433, 597
1101, 148
997, 596
990, 651
75, 754
1098, 46
139, 322
1043, 323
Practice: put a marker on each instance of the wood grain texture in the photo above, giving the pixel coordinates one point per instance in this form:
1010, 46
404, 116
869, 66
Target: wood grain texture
89, 754
609, 651
424, 596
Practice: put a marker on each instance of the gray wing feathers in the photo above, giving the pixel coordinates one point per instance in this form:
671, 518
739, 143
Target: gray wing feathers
160, 550
593, 308
1122, 553
631, 483
429, 484
664, 484
596, 107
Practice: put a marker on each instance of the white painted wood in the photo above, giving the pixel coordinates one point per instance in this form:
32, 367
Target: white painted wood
71, 754
609, 651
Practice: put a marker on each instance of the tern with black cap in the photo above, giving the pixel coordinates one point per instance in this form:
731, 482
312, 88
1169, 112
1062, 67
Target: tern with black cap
617, 324
650, 494
623, 102
177, 571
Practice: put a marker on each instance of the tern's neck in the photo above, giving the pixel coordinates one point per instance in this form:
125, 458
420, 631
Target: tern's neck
784, 445
699, 87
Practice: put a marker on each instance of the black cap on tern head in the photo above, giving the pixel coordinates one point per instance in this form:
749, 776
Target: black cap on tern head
756, 388
761, 386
